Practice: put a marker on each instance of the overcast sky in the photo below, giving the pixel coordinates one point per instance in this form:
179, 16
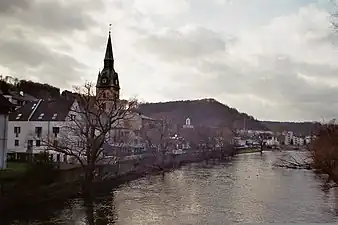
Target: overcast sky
273, 59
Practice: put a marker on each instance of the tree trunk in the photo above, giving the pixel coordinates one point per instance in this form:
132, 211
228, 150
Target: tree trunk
88, 181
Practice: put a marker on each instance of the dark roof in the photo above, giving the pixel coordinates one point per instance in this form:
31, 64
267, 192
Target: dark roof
32, 111
5, 105
23, 97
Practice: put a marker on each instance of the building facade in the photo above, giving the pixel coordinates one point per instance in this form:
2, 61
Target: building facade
35, 125
5, 107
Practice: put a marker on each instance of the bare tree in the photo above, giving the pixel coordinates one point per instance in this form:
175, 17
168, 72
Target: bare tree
261, 139
324, 152
322, 155
158, 136
90, 125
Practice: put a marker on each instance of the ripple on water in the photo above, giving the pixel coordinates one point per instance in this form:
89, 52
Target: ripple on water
247, 190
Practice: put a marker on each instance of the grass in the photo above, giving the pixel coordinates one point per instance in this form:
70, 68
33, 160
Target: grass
13, 169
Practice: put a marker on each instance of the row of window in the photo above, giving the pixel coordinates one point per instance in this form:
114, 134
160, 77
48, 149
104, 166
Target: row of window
38, 131
30, 143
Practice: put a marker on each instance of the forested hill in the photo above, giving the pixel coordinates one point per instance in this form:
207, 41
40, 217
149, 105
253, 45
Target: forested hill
299, 128
201, 112
207, 112
38, 90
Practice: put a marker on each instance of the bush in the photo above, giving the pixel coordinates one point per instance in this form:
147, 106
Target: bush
324, 151
39, 172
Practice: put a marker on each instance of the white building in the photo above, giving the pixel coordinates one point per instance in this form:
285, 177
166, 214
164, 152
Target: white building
188, 124
272, 141
35, 124
5, 107
31, 125
297, 140
288, 138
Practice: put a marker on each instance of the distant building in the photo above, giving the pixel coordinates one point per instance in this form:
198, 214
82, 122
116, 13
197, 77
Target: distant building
298, 140
188, 124
288, 138
20, 98
272, 141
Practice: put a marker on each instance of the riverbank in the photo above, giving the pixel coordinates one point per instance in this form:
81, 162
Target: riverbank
113, 175
247, 150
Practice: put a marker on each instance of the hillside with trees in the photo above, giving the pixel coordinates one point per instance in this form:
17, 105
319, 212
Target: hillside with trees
299, 128
38, 90
204, 112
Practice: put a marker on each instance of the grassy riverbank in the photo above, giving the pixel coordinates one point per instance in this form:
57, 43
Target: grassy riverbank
13, 169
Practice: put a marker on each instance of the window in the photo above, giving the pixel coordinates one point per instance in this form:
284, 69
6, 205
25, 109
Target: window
17, 131
41, 116
72, 117
38, 131
56, 130
38, 143
54, 116
18, 116
16, 142
30, 143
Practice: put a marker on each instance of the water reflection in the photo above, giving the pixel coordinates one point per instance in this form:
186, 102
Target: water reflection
247, 190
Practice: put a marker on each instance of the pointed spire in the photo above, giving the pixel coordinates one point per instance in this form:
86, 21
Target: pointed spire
109, 49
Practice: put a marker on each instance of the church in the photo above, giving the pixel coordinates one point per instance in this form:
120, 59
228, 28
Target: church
30, 124
107, 85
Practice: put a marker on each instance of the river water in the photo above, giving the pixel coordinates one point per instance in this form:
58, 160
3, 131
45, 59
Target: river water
249, 189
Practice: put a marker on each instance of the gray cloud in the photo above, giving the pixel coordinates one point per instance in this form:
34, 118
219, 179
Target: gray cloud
27, 22
51, 66
293, 86
52, 16
177, 45
14, 5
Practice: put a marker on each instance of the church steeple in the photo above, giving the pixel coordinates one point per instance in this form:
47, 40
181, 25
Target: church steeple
109, 57
108, 80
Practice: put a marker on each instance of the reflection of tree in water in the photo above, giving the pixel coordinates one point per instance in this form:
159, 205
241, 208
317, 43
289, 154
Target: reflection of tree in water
335, 191
100, 211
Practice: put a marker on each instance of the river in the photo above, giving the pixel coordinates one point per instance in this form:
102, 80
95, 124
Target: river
249, 189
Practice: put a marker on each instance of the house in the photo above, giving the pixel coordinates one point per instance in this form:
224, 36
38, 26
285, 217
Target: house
272, 141
126, 139
32, 124
18, 99
5, 107
187, 124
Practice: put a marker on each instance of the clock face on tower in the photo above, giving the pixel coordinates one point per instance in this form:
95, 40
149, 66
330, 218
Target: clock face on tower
104, 80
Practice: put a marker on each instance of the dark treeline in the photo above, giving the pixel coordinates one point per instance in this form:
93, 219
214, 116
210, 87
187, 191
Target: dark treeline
38, 90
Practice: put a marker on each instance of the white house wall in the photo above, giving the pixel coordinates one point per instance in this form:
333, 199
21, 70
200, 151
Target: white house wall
27, 132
